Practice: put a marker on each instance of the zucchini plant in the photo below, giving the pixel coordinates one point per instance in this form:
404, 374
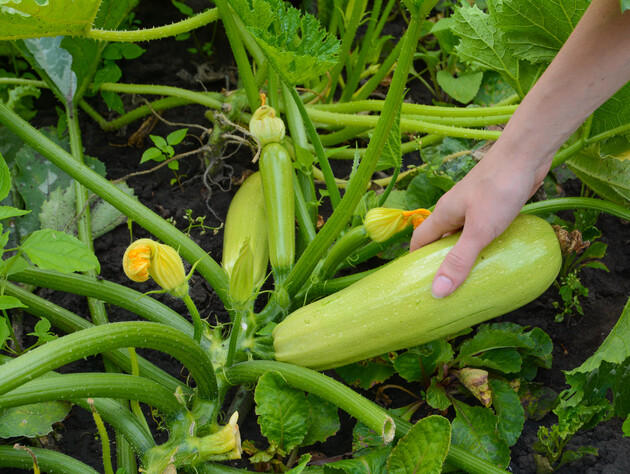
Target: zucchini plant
325, 86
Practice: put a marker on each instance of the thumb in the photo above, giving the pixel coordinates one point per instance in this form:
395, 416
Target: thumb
458, 263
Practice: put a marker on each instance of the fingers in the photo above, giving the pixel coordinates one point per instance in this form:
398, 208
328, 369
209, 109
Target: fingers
458, 263
433, 228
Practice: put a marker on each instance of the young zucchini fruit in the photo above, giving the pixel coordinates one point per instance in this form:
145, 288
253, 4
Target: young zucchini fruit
246, 221
276, 171
392, 308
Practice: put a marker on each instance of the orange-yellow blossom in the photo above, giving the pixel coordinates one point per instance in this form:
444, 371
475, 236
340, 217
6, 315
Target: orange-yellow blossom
382, 223
146, 258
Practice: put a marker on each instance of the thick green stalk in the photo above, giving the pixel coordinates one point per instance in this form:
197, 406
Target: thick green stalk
406, 147
240, 56
322, 159
48, 461
93, 385
345, 246
407, 125
197, 97
354, 75
112, 293
319, 384
349, 35
328, 287
99, 339
129, 206
302, 214
373, 82
569, 203
307, 262
69, 322
147, 34
407, 108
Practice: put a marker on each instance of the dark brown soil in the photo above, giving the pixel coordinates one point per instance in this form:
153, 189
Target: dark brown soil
574, 340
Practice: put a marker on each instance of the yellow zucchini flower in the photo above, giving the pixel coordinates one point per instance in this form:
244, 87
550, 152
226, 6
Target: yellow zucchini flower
382, 223
146, 258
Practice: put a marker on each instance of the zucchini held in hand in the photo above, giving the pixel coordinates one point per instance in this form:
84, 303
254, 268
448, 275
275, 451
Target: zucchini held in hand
393, 309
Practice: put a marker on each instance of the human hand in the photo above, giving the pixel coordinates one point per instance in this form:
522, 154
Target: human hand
484, 203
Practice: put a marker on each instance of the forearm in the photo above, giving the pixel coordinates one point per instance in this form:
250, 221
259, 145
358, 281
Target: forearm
591, 66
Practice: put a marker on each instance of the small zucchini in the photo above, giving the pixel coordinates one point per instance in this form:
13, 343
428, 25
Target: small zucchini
246, 221
392, 308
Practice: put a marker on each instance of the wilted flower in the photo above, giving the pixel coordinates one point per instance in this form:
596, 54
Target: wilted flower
146, 258
242, 276
265, 126
382, 223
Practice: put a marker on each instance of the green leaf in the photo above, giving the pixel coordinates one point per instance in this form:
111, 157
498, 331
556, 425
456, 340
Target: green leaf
323, 420
152, 153
9, 211
371, 462
625, 5
537, 400
422, 193
495, 349
626, 424
615, 348
366, 374
32, 420
463, 88
484, 44
364, 437
282, 411
9, 302
423, 449
301, 464
437, 397
5, 332
475, 430
509, 410
5, 179
176, 137
294, 43
53, 250
420, 363
54, 64
58, 212
29, 18
607, 176
537, 29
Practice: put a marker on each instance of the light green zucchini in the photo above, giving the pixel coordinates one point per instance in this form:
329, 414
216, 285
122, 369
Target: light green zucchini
392, 308
276, 170
246, 220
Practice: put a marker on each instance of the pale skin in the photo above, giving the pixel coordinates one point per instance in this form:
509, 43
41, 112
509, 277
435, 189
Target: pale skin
591, 66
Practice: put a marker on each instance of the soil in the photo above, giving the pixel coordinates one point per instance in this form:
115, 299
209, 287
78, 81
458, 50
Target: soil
574, 340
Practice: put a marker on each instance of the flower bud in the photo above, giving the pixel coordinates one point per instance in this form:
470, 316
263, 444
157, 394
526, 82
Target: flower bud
265, 126
146, 258
381, 223
224, 444
242, 276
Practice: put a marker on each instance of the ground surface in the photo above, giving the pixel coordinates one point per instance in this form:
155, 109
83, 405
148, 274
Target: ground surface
163, 63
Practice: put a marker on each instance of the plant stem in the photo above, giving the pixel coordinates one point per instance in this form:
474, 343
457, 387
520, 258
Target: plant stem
240, 56
100, 339
112, 293
319, 384
194, 313
407, 108
307, 262
129, 206
234, 335
197, 97
93, 385
69, 322
406, 125
346, 245
159, 32
328, 287
568, 203
102, 433
49, 461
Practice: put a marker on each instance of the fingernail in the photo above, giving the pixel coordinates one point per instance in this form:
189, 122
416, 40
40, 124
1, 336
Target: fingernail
441, 287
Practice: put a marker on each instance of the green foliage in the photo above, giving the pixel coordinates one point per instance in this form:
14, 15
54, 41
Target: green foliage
163, 148
30, 18
423, 449
32, 420
570, 291
294, 43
